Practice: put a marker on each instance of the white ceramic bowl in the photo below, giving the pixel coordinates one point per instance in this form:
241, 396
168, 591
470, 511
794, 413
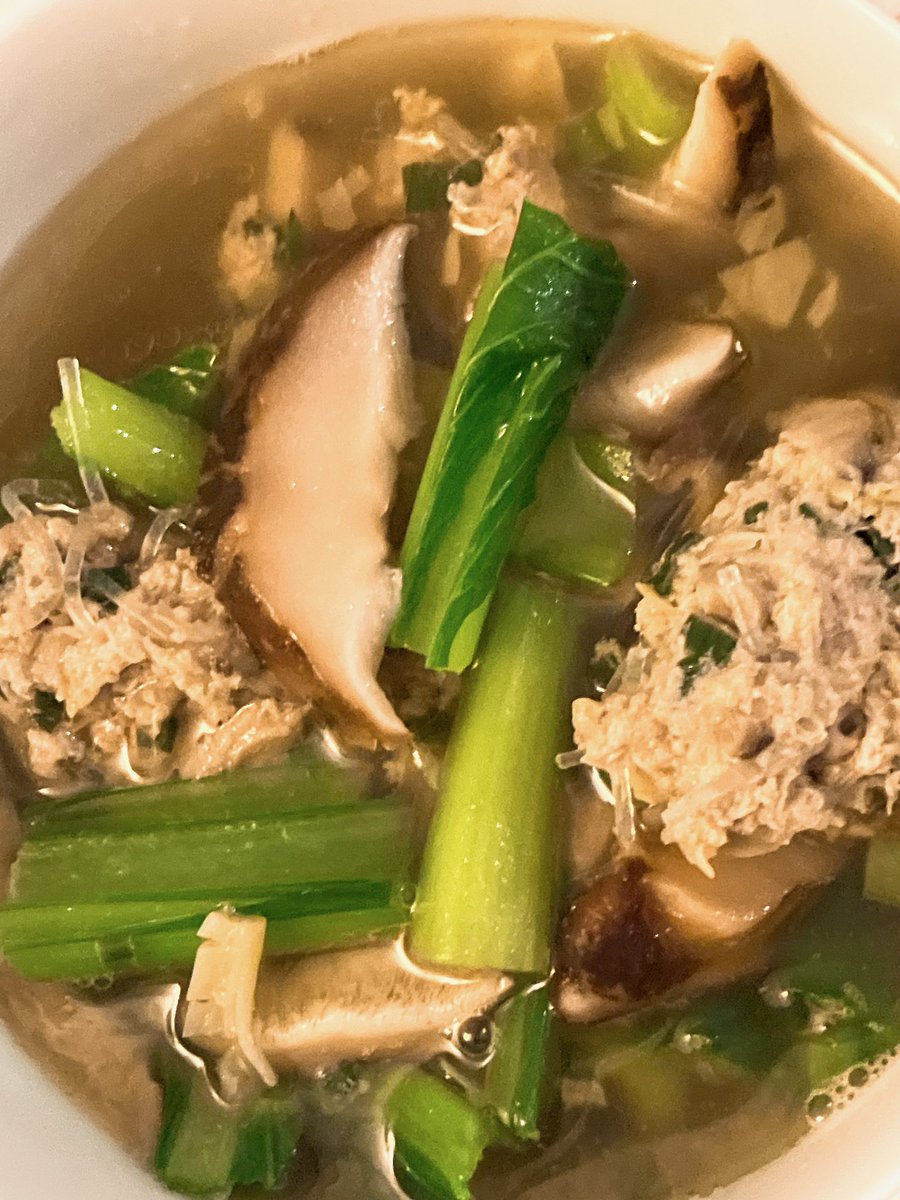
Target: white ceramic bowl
80, 77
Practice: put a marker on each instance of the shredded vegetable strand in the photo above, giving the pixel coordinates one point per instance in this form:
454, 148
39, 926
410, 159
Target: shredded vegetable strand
73, 597
76, 414
60, 499
155, 535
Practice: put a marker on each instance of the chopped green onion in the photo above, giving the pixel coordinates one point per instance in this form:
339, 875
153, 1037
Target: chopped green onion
438, 1136
186, 384
663, 578
425, 183
291, 239
882, 547
206, 1147
488, 882
537, 326
807, 510
48, 710
102, 584
755, 511
581, 525
140, 445
706, 642
515, 1083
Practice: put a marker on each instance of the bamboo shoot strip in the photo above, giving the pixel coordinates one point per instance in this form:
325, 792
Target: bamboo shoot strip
537, 326
489, 877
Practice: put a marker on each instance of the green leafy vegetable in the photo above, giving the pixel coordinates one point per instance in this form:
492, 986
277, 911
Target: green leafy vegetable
102, 584
425, 183
488, 881
48, 710
581, 524
652, 104
538, 324
663, 578
807, 510
591, 138
269, 828
844, 991
439, 1137
186, 384
77, 940
515, 1083
882, 547
706, 642
755, 511
646, 108
291, 239
207, 1147
138, 444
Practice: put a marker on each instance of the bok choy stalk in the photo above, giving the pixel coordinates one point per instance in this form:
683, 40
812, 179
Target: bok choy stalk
143, 447
207, 1147
537, 327
438, 1137
488, 881
581, 524
645, 110
121, 881
515, 1079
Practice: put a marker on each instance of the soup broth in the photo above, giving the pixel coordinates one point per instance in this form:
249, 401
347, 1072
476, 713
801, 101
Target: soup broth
673, 1092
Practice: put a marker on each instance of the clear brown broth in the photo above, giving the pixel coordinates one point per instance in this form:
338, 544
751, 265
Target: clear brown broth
124, 271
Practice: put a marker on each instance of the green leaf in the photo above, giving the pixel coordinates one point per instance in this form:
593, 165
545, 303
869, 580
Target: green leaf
537, 326
291, 239
425, 183
755, 511
207, 1147
184, 384
663, 578
48, 710
706, 643
515, 1082
882, 547
439, 1137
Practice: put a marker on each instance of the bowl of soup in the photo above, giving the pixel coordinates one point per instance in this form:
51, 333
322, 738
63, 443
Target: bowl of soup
450, 482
